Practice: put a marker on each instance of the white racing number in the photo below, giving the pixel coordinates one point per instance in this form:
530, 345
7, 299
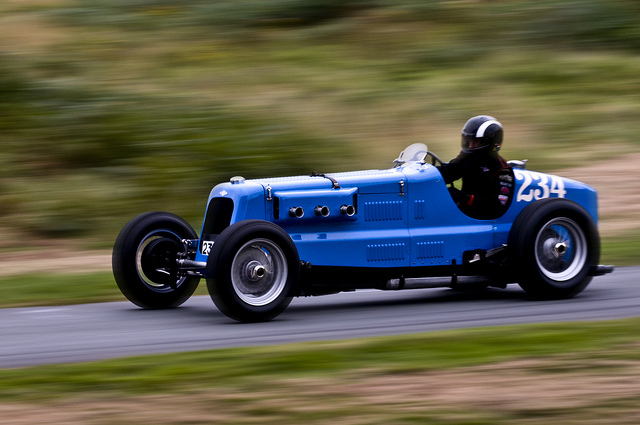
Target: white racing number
206, 247
538, 186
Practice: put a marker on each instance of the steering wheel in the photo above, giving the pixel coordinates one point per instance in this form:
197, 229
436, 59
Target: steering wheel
434, 158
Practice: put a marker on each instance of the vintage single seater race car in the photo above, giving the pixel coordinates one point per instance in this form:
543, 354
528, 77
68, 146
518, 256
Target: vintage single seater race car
266, 241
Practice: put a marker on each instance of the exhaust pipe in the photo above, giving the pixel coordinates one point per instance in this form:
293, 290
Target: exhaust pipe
347, 210
321, 211
437, 282
297, 212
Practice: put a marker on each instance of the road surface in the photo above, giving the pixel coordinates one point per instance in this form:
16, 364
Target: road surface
41, 335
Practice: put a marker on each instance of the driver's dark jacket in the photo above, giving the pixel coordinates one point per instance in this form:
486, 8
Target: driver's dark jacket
487, 184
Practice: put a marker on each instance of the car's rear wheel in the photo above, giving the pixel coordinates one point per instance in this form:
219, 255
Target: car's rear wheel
253, 271
553, 248
145, 261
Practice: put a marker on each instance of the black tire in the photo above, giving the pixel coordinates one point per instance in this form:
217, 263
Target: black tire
144, 261
553, 248
253, 271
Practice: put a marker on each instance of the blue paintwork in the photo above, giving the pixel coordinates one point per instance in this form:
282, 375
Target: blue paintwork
404, 217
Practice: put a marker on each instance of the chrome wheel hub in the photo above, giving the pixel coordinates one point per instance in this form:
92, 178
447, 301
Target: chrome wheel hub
561, 249
259, 272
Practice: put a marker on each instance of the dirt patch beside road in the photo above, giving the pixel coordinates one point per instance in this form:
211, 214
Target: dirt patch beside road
54, 261
618, 185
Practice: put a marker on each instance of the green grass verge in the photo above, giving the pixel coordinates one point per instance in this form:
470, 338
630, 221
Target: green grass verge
58, 289
260, 367
62, 289
621, 250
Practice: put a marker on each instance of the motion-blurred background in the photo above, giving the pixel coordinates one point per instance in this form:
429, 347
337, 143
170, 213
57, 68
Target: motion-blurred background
113, 108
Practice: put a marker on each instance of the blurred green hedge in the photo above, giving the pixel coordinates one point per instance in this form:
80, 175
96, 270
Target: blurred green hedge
146, 105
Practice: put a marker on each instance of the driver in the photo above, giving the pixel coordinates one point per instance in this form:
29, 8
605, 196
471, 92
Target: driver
487, 179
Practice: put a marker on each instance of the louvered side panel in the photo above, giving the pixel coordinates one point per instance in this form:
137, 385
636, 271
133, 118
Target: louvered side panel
386, 252
428, 250
383, 211
418, 209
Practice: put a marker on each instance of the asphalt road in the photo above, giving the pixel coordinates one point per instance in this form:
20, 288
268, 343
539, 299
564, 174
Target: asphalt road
30, 336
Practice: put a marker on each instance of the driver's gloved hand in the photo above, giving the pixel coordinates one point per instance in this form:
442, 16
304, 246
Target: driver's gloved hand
455, 193
460, 197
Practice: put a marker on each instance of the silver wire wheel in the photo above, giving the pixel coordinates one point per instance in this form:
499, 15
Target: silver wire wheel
259, 272
561, 249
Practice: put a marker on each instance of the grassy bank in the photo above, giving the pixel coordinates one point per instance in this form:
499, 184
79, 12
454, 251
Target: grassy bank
571, 373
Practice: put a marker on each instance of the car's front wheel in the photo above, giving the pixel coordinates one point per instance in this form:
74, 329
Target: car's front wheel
553, 248
145, 258
253, 271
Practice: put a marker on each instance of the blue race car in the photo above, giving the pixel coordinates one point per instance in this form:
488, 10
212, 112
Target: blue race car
268, 240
